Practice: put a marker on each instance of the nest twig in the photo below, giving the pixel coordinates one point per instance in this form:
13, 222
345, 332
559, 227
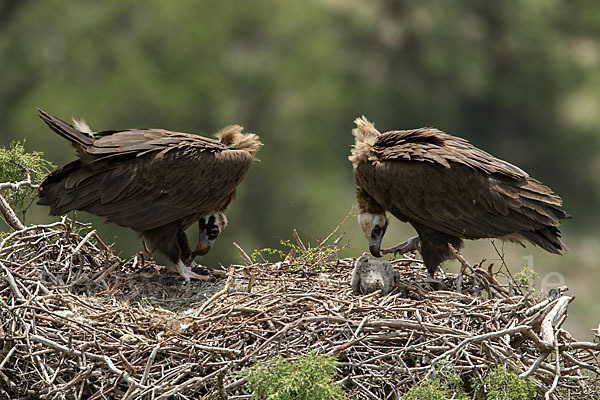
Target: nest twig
79, 322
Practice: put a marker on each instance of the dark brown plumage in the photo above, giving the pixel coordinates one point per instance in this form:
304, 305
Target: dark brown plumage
153, 181
448, 190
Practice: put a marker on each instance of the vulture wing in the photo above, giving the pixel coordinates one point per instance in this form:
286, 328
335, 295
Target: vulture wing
144, 179
443, 183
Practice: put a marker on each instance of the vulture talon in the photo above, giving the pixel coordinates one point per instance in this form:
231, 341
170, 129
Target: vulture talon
410, 245
186, 272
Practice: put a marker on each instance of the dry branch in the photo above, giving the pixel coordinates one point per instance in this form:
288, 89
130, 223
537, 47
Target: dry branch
9, 215
6, 210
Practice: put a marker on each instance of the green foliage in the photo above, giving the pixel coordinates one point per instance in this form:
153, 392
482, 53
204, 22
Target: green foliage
445, 385
262, 255
503, 385
299, 257
308, 378
14, 164
499, 384
526, 276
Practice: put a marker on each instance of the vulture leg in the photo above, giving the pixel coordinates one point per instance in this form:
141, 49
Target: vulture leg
434, 248
185, 252
188, 255
412, 244
172, 241
185, 268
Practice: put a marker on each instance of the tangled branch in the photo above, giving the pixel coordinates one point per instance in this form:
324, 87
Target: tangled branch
79, 322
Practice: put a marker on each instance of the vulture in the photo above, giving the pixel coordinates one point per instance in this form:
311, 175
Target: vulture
154, 181
448, 190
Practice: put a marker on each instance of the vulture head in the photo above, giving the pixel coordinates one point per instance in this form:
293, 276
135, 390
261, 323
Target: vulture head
210, 227
373, 226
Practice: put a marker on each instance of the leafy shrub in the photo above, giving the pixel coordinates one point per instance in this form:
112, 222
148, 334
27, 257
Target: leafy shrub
308, 378
14, 164
503, 385
445, 385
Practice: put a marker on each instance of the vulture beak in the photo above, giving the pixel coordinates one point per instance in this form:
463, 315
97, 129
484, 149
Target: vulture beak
204, 244
373, 227
210, 226
375, 246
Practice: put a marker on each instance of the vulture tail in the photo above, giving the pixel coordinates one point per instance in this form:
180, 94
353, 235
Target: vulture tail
547, 238
50, 189
233, 137
67, 131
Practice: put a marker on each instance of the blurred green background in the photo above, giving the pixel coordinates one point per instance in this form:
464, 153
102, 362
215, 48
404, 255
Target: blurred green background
519, 79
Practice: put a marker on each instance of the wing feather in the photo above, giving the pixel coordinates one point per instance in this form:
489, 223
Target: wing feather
162, 185
440, 148
146, 140
151, 191
459, 200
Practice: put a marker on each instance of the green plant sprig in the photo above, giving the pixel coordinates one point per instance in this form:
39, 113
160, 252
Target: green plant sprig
320, 258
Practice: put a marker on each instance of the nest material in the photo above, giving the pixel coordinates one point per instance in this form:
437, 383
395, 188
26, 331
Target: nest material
78, 322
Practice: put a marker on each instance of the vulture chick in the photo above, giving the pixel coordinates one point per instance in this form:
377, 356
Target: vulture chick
153, 181
448, 190
371, 275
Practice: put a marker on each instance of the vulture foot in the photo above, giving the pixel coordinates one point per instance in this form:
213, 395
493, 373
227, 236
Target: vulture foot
187, 273
217, 273
412, 244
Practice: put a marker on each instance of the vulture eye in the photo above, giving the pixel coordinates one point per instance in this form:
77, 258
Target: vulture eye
376, 231
213, 232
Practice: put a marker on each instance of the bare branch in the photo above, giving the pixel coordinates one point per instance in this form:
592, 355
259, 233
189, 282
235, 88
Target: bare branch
9, 215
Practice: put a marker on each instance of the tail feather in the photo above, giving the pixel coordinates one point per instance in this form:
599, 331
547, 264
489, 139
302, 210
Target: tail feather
66, 130
547, 238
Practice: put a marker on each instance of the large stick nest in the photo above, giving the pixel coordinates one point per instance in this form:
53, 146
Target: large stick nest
78, 322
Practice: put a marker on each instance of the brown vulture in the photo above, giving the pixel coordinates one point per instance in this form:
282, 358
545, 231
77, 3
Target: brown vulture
448, 190
153, 181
